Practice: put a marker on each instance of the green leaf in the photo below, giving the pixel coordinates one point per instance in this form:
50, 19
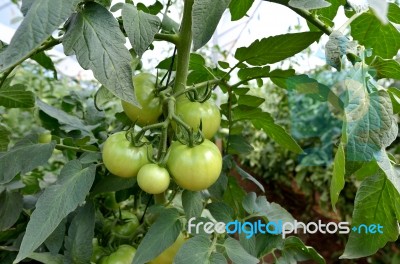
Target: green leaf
339, 170
260, 206
41, 20
47, 258
56, 240
386, 68
194, 251
294, 250
45, 61
113, 184
380, 8
237, 253
249, 244
375, 203
370, 125
217, 258
68, 122
326, 14
78, 243
4, 138
247, 176
276, 48
239, 8
16, 96
308, 5
239, 145
25, 5
95, 37
10, 208
394, 13
192, 203
388, 169
25, 156
102, 97
205, 17
221, 211
250, 100
395, 98
253, 73
140, 27
337, 46
56, 202
234, 192
370, 32
161, 235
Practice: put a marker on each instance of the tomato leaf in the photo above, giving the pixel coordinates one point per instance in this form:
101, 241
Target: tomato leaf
161, 235
376, 202
206, 15
192, 203
56, 240
16, 96
239, 8
95, 37
47, 258
386, 68
78, 243
221, 211
237, 253
140, 27
56, 202
370, 32
294, 250
4, 138
10, 208
194, 251
394, 13
339, 170
45, 61
337, 46
276, 48
41, 20
23, 157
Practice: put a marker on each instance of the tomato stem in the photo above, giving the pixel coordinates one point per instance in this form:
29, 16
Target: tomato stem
172, 38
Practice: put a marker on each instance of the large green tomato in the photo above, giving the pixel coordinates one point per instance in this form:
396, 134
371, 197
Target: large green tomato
126, 226
192, 112
195, 168
153, 179
144, 84
168, 255
123, 255
123, 159
98, 251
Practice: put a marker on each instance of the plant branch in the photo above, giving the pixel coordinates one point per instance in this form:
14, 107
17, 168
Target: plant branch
196, 86
77, 149
306, 15
172, 38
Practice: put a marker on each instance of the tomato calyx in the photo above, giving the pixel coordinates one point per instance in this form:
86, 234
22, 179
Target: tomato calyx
194, 96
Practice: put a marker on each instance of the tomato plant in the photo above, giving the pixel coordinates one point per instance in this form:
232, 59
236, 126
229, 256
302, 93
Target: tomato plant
150, 107
122, 158
123, 174
153, 179
195, 168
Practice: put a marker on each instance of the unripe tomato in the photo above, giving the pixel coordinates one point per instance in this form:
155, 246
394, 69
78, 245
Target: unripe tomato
45, 137
168, 255
110, 202
123, 255
192, 112
126, 226
98, 251
195, 168
144, 85
153, 179
123, 159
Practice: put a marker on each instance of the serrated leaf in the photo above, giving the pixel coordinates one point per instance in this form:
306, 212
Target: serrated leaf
237, 253
221, 211
339, 170
375, 203
192, 203
16, 96
94, 36
309, 4
205, 18
78, 243
41, 20
194, 251
294, 250
386, 68
10, 208
160, 236
140, 27
4, 138
56, 202
337, 46
273, 49
383, 39
24, 157
239, 8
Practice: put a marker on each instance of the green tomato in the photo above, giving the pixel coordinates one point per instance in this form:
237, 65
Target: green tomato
126, 226
123, 255
153, 179
123, 159
195, 168
45, 137
110, 202
192, 112
168, 255
98, 251
151, 105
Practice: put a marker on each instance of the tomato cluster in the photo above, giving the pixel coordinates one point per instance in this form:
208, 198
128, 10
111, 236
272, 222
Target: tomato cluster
194, 166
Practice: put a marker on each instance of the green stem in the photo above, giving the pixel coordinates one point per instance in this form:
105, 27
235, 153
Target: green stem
307, 15
183, 47
348, 22
173, 38
65, 147
196, 86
